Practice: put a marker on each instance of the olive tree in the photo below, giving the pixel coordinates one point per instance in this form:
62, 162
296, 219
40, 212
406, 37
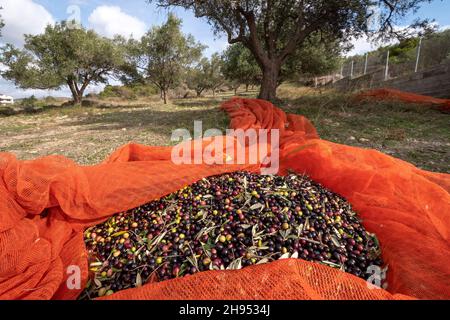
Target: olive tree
216, 76
62, 56
274, 29
164, 55
206, 75
240, 67
315, 58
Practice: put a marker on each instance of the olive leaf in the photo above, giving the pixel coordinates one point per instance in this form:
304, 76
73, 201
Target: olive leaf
257, 206
332, 264
285, 256
306, 223
263, 261
152, 245
300, 229
235, 265
138, 280
98, 283
118, 234
335, 241
96, 264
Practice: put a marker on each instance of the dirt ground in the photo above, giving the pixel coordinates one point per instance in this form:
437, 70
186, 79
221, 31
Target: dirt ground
89, 134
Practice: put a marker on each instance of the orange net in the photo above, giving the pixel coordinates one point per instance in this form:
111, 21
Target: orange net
45, 205
397, 95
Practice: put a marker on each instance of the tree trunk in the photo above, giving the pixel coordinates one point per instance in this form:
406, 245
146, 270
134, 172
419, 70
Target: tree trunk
246, 87
78, 98
73, 90
77, 93
80, 95
164, 96
269, 83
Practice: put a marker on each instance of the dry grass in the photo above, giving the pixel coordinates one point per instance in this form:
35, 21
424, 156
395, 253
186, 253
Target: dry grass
89, 134
415, 133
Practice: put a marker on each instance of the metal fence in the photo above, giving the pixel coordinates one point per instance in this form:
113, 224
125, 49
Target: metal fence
388, 63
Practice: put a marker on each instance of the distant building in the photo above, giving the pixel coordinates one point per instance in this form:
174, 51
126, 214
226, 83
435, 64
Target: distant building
6, 99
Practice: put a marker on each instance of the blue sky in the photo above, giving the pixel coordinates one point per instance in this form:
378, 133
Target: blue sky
127, 17
439, 10
150, 14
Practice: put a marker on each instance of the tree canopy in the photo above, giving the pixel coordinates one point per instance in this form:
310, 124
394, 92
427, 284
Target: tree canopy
240, 67
62, 56
315, 58
206, 75
2, 23
274, 29
164, 55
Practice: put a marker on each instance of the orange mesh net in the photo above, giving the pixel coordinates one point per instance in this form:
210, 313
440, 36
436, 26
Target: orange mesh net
394, 94
45, 205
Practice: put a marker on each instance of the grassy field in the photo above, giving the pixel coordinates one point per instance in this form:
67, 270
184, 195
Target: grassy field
88, 134
414, 133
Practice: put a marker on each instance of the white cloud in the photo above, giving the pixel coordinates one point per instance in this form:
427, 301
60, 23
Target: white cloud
111, 20
23, 17
364, 44
361, 46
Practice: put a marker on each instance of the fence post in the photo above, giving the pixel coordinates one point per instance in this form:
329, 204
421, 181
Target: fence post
419, 49
351, 69
365, 64
386, 73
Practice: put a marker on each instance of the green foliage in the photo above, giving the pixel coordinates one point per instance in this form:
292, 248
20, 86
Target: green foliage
62, 56
317, 57
29, 102
206, 75
436, 49
216, 76
32, 104
2, 23
198, 76
402, 52
164, 55
240, 66
273, 30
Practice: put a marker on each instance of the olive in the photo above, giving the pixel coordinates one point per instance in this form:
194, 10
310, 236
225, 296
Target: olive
204, 224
